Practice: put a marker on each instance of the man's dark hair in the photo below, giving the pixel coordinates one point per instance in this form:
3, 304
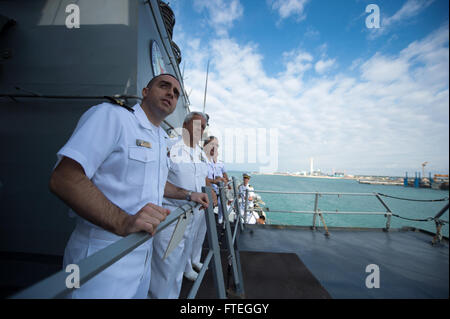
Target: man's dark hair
152, 81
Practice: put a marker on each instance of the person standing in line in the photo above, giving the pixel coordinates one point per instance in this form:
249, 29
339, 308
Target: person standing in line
112, 174
243, 188
216, 170
188, 171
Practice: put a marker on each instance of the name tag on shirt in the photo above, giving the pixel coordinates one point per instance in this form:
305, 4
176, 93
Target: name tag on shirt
143, 143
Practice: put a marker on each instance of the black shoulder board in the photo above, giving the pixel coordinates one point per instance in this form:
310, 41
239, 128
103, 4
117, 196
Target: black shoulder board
119, 102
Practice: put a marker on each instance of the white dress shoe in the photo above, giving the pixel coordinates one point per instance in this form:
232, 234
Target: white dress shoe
197, 266
191, 275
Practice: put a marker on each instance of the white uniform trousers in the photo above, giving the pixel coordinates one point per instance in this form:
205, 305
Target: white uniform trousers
194, 247
128, 277
167, 274
220, 216
251, 215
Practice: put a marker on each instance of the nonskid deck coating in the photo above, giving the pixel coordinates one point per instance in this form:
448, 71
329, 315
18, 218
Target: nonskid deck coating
291, 280
409, 266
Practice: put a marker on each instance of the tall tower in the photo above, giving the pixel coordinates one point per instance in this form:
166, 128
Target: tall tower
311, 166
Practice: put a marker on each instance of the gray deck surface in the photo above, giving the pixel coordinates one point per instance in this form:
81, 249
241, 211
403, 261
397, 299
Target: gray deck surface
260, 282
410, 267
295, 262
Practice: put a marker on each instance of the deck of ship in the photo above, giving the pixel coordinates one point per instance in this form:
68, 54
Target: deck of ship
296, 262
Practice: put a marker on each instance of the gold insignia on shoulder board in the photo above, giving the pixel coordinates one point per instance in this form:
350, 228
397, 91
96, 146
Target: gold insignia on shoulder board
143, 143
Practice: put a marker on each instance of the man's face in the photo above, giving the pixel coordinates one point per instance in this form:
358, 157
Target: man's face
195, 128
162, 96
246, 180
212, 147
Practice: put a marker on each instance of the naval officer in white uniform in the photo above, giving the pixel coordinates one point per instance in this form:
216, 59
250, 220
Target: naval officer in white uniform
251, 216
112, 173
188, 170
216, 172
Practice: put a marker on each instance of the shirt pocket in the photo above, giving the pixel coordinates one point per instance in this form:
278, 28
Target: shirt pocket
140, 161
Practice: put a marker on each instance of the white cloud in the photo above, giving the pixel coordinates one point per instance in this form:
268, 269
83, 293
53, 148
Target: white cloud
410, 9
384, 69
322, 65
391, 114
297, 62
222, 14
287, 8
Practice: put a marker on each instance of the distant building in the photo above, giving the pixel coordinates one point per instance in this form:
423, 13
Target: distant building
316, 173
339, 174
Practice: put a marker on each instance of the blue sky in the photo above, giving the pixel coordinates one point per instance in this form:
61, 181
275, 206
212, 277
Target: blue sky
367, 101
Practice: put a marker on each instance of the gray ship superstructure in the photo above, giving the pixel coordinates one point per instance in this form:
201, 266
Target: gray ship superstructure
50, 74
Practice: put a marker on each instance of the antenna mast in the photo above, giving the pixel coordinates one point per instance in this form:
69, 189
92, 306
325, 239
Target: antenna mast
206, 87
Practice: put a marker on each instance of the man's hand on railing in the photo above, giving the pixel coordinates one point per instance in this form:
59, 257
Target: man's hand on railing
147, 219
200, 198
217, 180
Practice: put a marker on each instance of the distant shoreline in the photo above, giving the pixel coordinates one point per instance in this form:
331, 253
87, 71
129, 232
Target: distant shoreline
361, 179
307, 176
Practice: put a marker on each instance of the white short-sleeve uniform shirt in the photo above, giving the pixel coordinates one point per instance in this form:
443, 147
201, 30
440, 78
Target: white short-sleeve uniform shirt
125, 157
242, 192
188, 169
215, 169
105, 143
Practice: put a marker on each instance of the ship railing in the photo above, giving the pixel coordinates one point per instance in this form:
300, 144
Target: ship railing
231, 236
319, 213
59, 284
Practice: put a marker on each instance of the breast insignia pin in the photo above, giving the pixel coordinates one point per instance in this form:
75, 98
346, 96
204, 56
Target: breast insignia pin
143, 143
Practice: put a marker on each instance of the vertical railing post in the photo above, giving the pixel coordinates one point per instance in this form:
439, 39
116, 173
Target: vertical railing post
439, 223
234, 254
315, 211
236, 203
214, 246
246, 206
388, 214
438, 237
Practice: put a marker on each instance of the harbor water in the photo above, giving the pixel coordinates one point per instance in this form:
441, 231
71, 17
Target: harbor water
346, 203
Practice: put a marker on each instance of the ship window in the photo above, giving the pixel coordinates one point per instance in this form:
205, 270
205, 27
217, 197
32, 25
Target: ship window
156, 58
